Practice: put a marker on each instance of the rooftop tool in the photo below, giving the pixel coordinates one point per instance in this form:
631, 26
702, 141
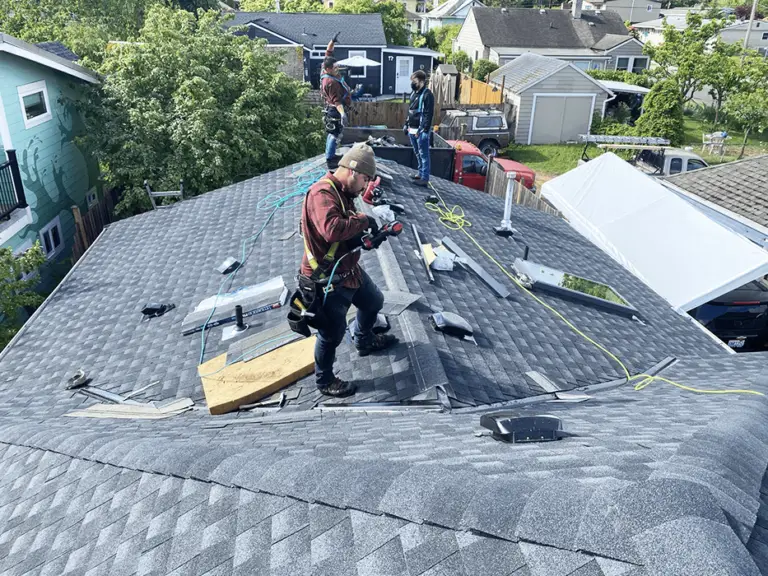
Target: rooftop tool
253, 299
506, 229
156, 309
228, 265
509, 427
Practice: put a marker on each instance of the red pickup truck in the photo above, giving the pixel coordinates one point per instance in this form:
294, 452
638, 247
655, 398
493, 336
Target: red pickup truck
455, 160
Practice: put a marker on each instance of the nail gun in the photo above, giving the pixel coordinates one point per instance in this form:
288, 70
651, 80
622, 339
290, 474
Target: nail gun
371, 241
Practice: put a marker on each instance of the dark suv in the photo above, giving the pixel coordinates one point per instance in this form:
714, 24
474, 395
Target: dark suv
739, 318
486, 129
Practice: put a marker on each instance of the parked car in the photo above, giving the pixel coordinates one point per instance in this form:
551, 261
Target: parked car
669, 161
487, 129
739, 318
456, 160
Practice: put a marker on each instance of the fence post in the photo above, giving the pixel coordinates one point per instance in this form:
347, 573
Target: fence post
80, 227
16, 177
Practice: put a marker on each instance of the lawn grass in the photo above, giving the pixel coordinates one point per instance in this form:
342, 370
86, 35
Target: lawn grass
756, 143
548, 160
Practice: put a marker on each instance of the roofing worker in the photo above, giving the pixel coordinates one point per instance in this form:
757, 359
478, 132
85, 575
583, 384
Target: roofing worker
332, 230
337, 98
419, 124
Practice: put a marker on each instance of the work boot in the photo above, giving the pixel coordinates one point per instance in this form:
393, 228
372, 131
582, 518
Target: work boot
338, 388
422, 183
376, 343
333, 163
415, 177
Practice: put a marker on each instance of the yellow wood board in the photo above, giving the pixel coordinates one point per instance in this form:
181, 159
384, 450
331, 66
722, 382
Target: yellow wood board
228, 387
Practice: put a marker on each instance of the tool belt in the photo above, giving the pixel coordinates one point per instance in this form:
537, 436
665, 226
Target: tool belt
305, 307
332, 121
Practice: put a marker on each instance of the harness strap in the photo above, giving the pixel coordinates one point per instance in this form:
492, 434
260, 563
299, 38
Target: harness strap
343, 84
320, 271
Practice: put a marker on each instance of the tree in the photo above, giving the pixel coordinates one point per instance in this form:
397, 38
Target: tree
750, 110
392, 16
482, 68
723, 73
192, 101
744, 11
285, 6
663, 113
460, 59
442, 37
622, 76
16, 292
85, 26
684, 54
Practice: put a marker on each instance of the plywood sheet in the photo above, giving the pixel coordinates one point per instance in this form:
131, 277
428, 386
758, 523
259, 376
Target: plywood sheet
228, 387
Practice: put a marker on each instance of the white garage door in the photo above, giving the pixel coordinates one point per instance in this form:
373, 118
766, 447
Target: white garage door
560, 118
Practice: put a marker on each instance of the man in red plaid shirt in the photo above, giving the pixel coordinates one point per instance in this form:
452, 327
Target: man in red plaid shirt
331, 230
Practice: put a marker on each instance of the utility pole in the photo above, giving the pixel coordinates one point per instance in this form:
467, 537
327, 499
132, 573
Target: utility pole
749, 29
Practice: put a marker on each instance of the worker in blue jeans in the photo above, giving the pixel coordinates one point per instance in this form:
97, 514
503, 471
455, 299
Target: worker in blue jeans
419, 124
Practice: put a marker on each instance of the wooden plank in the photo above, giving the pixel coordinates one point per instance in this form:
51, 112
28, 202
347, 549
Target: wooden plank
228, 387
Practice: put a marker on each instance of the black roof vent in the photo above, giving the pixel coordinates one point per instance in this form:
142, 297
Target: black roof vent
452, 324
509, 427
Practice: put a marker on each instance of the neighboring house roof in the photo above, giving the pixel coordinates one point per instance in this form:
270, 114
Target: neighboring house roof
743, 25
58, 49
529, 69
529, 27
655, 481
313, 29
47, 56
740, 187
449, 8
610, 41
616, 86
677, 21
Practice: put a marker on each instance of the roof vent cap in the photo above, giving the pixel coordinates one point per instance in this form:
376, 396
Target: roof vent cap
591, 23
598, 12
509, 427
542, 11
504, 10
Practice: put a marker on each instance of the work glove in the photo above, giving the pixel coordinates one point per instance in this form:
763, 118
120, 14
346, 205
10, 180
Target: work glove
344, 120
336, 37
374, 228
405, 129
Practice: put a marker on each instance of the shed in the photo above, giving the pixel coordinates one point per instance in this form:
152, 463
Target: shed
554, 100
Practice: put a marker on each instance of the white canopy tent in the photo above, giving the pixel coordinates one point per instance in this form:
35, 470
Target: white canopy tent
666, 242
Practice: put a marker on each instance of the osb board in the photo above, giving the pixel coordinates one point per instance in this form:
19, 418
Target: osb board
227, 387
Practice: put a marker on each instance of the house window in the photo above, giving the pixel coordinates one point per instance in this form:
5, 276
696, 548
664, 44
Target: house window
330, 4
582, 64
51, 238
634, 64
317, 54
649, 8
35, 106
765, 35
357, 72
92, 198
476, 55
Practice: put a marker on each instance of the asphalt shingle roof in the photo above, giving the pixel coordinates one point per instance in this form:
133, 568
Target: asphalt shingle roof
309, 28
741, 186
526, 70
58, 49
655, 481
527, 27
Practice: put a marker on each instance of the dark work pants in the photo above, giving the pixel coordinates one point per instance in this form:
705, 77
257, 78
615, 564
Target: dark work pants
368, 300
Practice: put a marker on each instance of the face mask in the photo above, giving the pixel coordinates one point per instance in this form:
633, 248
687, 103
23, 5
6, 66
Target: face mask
414, 86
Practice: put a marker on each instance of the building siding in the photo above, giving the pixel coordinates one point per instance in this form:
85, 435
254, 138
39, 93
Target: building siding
469, 39
638, 13
628, 49
55, 172
736, 35
566, 81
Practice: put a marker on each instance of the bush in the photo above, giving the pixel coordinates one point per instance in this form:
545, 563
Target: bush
460, 59
482, 68
610, 127
663, 114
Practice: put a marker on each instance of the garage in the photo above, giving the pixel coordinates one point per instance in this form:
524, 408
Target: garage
554, 100
560, 117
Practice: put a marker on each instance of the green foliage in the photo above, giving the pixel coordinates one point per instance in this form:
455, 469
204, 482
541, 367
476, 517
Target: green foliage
418, 41
442, 37
85, 26
482, 68
724, 74
192, 101
16, 293
750, 110
392, 16
663, 113
683, 55
592, 288
622, 76
611, 126
460, 59
285, 6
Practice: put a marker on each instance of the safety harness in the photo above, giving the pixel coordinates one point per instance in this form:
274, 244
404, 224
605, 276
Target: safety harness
331, 116
419, 110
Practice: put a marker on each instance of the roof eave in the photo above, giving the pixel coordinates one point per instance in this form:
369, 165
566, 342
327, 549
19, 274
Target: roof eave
11, 45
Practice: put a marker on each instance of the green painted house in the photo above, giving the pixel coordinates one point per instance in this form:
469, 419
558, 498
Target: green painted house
43, 173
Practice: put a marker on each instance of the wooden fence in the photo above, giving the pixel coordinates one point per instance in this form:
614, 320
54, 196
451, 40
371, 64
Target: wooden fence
473, 91
88, 226
496, 185
391, 114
